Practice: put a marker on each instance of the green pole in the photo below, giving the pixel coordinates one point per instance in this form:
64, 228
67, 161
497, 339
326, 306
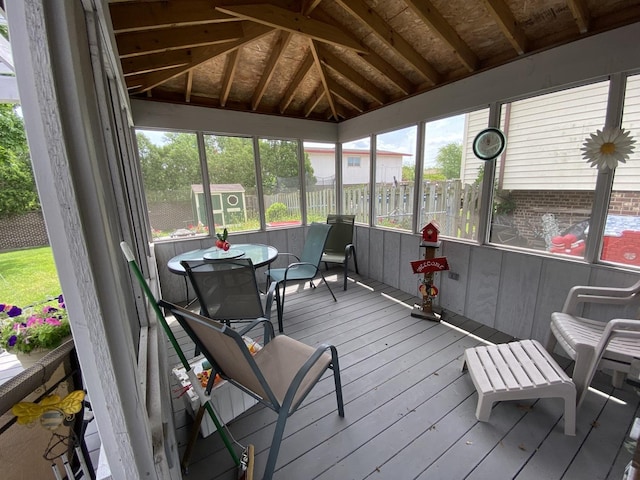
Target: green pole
163, 321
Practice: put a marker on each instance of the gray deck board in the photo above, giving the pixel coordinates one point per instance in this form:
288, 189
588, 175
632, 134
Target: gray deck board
409, 409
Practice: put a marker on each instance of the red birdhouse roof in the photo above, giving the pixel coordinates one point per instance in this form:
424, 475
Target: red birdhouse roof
433, 224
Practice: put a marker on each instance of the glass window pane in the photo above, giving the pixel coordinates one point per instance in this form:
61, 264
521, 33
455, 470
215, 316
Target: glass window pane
543, 188
232, 179
452, 175
320, 180
621, 242
171, 175
355, 178
395, 176
281, 182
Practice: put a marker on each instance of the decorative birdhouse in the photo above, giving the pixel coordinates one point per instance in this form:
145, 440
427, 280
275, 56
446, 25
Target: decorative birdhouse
430, 233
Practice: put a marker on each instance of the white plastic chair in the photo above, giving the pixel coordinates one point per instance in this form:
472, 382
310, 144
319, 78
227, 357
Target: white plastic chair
593, 344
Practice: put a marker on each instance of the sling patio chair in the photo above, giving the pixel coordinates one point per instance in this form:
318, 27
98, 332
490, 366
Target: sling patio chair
307, 266
228, 290
339, 247
280, 375
597, 344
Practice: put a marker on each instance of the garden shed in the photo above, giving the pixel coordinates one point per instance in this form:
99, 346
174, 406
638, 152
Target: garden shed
227, 201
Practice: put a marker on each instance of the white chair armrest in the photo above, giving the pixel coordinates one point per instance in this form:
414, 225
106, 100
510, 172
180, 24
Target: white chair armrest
608, 295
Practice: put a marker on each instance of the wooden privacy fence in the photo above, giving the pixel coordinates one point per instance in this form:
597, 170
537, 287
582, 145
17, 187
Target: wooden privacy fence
453, 205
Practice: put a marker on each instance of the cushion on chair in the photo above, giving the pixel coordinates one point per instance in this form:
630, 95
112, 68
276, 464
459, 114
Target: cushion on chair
281, 358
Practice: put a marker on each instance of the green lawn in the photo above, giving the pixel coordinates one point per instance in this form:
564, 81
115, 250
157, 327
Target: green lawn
28, 276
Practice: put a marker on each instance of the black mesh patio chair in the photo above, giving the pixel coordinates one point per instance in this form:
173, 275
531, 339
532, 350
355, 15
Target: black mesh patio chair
228, 290
339, 247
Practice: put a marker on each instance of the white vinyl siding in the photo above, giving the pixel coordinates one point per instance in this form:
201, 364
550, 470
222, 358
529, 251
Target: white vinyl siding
474, 123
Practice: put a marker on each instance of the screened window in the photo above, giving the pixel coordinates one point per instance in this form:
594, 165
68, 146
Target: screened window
280, 170
543, 189
621, 241
395, 178
232, 184
171, 177
355, 181
452, 175
320, 180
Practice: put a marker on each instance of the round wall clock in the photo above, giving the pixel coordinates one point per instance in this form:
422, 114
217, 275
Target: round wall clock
489, 143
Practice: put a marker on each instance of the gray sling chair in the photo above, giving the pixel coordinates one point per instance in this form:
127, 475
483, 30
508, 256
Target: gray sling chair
228, 290
307, 266
279, 376
339, 247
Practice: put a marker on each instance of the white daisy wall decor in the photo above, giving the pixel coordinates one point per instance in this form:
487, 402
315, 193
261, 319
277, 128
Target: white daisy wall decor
607, 147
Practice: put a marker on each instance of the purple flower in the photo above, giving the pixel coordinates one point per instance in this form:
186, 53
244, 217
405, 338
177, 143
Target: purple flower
53, 321
14, 311
12, 340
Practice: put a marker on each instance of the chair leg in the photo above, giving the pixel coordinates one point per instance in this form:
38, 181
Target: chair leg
275, 444
335, 366
355, 260
583, 371
279, 310
330, 291
346, 271
284, 287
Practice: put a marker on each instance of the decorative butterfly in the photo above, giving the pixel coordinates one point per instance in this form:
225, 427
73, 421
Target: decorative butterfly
51, 410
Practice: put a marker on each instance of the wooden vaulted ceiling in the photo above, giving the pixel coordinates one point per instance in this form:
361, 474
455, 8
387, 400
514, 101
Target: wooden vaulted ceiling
334, 59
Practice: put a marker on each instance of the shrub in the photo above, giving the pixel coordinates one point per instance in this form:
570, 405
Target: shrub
277, 212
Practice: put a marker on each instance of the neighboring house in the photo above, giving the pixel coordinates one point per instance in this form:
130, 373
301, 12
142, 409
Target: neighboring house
356, 164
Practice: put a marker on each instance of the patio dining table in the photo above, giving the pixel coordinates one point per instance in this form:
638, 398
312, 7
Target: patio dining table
260, 255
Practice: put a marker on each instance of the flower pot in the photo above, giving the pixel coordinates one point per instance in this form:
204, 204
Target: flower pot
29, 359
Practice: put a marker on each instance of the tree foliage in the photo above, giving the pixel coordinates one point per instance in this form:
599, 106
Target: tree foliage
175, 165
449, 159
17, 186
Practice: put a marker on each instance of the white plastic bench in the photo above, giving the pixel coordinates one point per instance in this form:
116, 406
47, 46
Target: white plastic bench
516, 371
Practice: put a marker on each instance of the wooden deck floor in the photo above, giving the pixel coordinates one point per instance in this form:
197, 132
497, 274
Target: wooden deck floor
409, 409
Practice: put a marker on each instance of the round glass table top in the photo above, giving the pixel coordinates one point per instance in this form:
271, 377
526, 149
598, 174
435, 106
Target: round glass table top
259, 254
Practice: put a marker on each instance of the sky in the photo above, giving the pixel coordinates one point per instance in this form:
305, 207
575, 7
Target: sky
438, 134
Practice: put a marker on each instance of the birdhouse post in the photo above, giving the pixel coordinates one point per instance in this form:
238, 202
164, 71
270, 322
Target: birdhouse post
427, 267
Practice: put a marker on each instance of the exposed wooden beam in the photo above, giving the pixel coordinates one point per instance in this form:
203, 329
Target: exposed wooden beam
276, 53
314, 47
346, 95
355, 77
126, 16
229, 73
302, 71
425, 10
309, 6
253, 32
294, 22
317, 95
157, 61
399, 45
188, 85
158, 40
507, 23
580, 13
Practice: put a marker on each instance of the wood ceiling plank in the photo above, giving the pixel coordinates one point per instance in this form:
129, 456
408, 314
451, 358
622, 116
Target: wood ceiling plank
389, 71
278, 49
127, 16
507, 23
309, 6
580, 13
317, 95
430, 15
158, 40
294, 22
302, 71
145, 82
394, 41
346, 95
229, 73
355, 77
314, 48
